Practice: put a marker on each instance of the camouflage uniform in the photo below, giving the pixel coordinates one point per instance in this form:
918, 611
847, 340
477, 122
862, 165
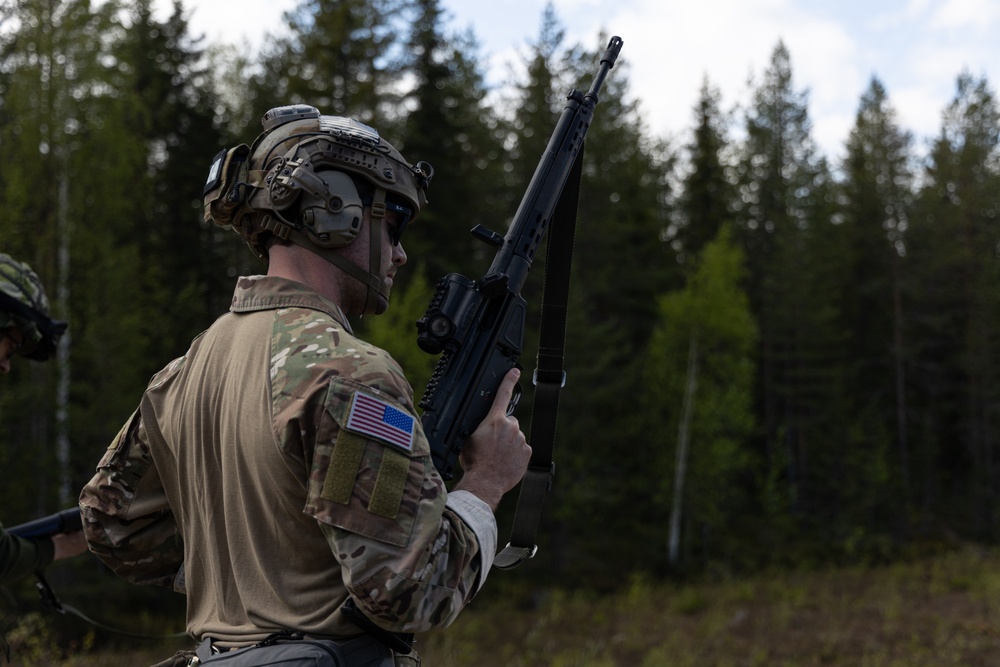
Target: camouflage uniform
243, 481
24, 306
20, 557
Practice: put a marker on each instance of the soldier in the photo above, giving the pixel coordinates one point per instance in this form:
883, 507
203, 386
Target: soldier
277, 473
28, 331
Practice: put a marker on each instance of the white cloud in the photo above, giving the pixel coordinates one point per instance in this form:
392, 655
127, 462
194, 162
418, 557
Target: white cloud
230, 21
919, 110
670, 52
976, 15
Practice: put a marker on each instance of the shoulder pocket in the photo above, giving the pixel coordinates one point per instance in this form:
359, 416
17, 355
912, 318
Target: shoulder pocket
374, 474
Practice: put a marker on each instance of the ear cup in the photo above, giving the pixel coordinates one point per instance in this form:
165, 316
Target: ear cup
330, 209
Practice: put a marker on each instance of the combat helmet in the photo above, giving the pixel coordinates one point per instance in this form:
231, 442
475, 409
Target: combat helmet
23, 304
307, 179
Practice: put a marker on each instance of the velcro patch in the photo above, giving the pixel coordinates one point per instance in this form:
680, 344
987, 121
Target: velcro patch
344, 464
391, 482
379, 420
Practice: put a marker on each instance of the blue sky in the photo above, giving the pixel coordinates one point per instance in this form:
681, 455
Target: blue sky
917, 48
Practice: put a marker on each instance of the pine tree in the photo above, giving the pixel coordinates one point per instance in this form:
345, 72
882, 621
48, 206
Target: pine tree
340, 56
538, 100
451, 126
174, 114
953, 242
620, 268
877, 206
784, 213
705, 203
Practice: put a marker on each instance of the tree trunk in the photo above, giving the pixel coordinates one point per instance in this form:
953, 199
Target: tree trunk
66, 494
901, 408
683, 445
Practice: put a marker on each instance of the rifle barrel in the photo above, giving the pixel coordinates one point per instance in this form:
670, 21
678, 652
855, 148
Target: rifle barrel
66, 521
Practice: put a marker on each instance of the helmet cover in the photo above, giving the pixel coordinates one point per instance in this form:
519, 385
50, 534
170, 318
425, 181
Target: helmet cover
288, 181
23, 305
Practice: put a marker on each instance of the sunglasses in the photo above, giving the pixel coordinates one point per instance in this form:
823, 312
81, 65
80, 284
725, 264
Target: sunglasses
405, 214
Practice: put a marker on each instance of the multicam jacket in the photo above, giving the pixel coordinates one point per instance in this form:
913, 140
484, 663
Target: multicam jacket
276, 467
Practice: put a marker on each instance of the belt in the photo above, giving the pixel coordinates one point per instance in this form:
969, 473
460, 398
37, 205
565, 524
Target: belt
362, 651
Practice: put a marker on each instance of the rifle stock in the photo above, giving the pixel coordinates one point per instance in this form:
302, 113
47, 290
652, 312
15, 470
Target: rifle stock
66, 521
478, 325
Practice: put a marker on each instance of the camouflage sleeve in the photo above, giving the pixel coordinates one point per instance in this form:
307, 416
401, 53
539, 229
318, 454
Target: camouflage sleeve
20, 557
127, 520
411, 558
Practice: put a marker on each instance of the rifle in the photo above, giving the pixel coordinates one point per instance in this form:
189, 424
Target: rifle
478, 325
66, 521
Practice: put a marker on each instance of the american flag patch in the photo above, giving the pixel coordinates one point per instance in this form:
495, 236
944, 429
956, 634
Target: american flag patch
375, 418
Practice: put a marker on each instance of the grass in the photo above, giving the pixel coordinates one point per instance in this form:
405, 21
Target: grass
942, 611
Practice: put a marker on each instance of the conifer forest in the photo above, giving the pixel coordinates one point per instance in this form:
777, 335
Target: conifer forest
774, 360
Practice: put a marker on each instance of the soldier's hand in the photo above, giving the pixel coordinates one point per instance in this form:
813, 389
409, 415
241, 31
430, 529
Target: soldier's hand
496, 455
68, 545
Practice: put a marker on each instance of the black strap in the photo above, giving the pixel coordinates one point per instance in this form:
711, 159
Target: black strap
549, 377
50, 600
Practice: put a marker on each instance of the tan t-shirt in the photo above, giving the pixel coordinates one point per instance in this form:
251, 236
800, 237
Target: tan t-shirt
248, 480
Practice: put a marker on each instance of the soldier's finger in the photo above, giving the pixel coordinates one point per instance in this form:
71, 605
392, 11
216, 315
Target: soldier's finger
506, 390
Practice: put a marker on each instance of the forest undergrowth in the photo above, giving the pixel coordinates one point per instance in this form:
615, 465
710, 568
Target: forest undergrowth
940, 611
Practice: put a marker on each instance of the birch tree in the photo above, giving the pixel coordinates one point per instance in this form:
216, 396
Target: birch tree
700, 378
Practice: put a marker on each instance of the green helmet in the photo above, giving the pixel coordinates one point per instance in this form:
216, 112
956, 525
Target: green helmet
307, 178
23, 304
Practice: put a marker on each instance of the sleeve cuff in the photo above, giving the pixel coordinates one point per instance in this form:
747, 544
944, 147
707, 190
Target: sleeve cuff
479, 517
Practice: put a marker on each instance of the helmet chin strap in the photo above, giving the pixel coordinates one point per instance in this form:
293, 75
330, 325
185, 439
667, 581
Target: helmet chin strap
377, 300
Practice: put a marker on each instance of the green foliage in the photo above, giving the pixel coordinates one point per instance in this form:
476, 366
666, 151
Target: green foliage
339, 56
714, 310
395, 331
785, 215
33, 640
707, 198
618, 261
848, 374
877, 205
452, 127
929, 612
926, 612
955, 344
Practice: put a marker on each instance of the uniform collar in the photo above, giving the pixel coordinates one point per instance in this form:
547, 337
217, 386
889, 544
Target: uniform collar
271, 292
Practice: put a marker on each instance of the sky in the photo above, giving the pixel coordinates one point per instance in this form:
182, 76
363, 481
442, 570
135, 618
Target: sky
916, 48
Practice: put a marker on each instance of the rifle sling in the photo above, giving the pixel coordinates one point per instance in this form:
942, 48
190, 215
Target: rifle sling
549, 377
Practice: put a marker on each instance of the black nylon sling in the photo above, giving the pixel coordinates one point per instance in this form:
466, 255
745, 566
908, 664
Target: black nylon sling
549, 377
